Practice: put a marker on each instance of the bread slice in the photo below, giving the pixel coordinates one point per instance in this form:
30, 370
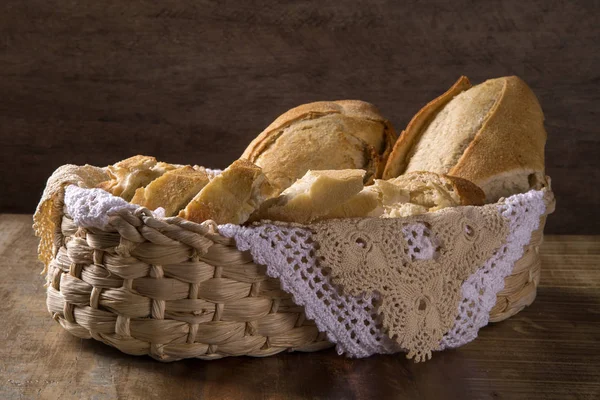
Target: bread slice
230, 197
314, 195
128, 175
366, 203
491, 134
345, 134
171, 191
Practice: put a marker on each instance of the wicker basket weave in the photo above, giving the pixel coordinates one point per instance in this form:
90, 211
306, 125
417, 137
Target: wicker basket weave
169, 299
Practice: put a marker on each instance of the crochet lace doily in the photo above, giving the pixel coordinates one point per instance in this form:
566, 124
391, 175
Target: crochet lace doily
351, 315
419, 290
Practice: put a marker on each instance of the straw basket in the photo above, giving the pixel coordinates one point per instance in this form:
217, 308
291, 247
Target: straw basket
166, 298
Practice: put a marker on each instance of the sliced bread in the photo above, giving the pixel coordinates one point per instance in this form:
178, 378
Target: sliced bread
135, 172
171, 191
230, 197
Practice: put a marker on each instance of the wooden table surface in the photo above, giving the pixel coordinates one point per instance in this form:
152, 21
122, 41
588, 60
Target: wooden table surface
549, 350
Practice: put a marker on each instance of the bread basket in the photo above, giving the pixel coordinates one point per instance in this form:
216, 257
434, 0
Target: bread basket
173, 289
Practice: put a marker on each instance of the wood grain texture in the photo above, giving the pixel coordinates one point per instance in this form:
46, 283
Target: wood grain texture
195, 81
551, 350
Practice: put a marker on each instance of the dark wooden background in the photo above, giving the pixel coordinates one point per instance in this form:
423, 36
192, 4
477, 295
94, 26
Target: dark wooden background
193, 81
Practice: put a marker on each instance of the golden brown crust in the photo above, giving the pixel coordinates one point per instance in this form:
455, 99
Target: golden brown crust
135, 162
231, 196
512, 138
107, 185
470, 194
352, 108
364, 110
397, 161
359, 110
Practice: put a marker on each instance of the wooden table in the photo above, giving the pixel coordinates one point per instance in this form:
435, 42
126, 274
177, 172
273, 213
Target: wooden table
549, 350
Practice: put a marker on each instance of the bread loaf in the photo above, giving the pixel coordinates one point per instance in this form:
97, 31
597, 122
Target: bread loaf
491, 134
230, 197
347, 134
171, 191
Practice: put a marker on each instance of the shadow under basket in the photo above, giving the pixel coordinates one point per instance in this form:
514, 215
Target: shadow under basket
166, 298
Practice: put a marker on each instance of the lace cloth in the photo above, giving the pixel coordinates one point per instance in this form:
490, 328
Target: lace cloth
419, 291
429, 310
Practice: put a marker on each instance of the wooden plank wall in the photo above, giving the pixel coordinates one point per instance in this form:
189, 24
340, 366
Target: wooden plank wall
194, 81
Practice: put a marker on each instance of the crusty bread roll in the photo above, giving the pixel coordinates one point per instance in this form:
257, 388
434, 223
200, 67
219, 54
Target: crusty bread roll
428, 192
410, 194
171, 191
231, 196
312, 196
132, 173
491, 134
346, 134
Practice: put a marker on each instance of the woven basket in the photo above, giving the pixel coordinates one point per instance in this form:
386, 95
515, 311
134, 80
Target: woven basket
168, 299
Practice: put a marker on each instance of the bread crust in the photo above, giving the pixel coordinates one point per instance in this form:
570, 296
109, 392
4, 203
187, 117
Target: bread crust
398, 159
470, 194
374, 164
512, 138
